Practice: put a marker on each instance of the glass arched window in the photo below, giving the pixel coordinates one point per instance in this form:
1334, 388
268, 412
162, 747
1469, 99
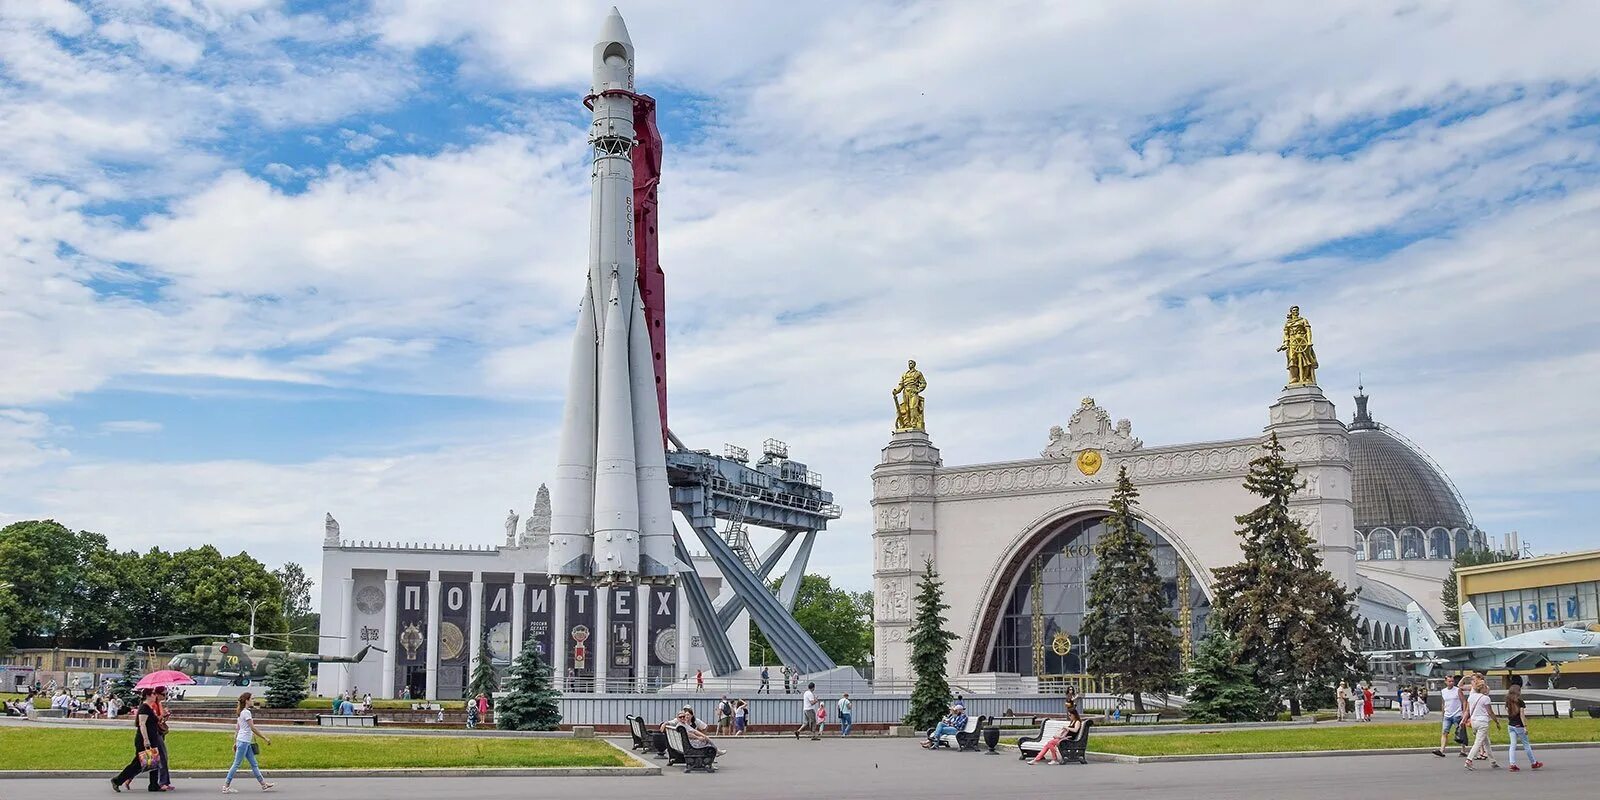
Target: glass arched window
1039, 626
1361, 546
1480, 540
1380, 545
1411, 543
1463, 542
1439, 543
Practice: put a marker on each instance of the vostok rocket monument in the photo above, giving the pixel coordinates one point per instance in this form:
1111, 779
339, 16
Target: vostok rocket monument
616, 484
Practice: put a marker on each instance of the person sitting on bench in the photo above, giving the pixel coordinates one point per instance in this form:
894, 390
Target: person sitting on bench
954, 723
697, 736
1052, 748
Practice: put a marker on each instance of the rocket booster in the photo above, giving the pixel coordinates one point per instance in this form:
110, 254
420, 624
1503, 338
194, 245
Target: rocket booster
610, 498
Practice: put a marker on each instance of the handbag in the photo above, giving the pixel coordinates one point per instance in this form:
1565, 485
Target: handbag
149, 759
255, 749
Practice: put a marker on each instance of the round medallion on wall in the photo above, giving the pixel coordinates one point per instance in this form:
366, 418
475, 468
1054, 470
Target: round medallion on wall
666, 645
1089, 461
1062, 643
500, 642
369, 599
450, 641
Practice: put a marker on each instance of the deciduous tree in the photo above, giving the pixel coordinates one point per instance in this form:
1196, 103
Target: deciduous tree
840, 621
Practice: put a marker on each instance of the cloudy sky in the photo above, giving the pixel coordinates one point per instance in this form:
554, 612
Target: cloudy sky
260, 260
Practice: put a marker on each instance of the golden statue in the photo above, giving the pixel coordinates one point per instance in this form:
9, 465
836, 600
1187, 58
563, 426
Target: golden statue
908, 400
1297, 349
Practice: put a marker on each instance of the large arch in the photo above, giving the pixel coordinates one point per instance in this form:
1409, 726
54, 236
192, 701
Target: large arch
1439, 544
1072, 528
1381, 545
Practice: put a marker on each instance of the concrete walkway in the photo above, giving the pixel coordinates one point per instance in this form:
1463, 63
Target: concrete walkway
878, 769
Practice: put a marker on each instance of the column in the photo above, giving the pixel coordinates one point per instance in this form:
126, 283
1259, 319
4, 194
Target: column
641, 647
475, 621
602, 636
682, 623
391, 636
431, 691
346, 670
558, 635
519, 614
903, 536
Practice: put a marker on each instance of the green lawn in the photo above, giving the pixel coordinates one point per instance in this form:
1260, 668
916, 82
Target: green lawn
1370, 736
57, 748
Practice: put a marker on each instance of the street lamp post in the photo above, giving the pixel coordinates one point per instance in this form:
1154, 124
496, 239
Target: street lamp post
254, 604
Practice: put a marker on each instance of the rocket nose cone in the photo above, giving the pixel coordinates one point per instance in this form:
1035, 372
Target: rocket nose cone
614, 29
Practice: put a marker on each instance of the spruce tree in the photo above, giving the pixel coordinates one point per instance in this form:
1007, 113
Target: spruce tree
1294, 622
930, 646
1220, 689
1126, 625
484, 680
286, 683
530, 702
122, 686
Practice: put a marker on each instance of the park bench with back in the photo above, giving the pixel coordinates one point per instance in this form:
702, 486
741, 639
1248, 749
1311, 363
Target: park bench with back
967, 737
681, 751
636, 729
1072, 749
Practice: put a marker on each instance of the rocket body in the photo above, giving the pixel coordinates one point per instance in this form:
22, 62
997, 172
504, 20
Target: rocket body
610, 491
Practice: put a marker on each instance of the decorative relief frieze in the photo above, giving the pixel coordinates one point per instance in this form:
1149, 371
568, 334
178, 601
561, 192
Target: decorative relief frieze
894, 601
894, 553
894, 518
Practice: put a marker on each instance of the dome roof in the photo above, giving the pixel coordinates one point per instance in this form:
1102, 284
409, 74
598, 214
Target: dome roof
1395, 483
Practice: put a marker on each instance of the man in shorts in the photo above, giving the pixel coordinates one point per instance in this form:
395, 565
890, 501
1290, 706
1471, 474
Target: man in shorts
1450, 699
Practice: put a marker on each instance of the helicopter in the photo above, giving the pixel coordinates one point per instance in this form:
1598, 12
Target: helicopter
231, 658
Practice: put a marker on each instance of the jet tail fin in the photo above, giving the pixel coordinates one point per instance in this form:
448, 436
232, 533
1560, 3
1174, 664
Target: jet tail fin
1422, 635
1474, 631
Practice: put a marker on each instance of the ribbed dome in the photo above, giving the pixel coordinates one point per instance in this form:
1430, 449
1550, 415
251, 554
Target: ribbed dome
1395, 484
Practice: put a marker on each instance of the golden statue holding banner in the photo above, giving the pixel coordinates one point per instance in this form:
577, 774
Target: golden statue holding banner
908, 400
1297, 349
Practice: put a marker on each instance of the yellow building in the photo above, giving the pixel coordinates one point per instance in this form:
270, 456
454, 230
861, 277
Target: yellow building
1532, 593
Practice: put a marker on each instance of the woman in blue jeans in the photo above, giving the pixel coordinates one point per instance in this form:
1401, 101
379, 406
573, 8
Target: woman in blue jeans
244, 746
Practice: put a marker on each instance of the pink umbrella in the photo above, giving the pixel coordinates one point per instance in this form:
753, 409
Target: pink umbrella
163, 677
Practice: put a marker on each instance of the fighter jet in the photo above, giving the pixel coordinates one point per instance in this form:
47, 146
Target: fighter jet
233, 659
1480, 651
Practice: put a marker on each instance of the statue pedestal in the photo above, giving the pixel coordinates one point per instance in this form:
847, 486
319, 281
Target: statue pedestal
903, 539
1317, 443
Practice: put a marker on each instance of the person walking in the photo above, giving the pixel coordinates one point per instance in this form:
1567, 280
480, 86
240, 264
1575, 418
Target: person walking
1480, 714
1342, 697
724, 715
822, 716
843, 707
741, 717
699, 680
1367, 695
1450, 702
1517, 726
163, 716
244, 746
482, 702
808, 714
472, 715
765, 686
147, 744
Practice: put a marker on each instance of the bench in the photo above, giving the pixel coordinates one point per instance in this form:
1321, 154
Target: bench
1073, 749
347, 720
1143, 719
1013, 722
966, 738
681, 751
641, 740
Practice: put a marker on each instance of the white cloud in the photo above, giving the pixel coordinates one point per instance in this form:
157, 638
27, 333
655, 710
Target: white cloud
1110, 199
130, 426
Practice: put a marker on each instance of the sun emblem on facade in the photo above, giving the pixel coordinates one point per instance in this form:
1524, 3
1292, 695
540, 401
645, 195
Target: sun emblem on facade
1062, 643
1089, 461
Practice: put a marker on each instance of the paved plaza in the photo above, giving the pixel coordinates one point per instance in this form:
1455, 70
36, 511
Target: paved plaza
881, 769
